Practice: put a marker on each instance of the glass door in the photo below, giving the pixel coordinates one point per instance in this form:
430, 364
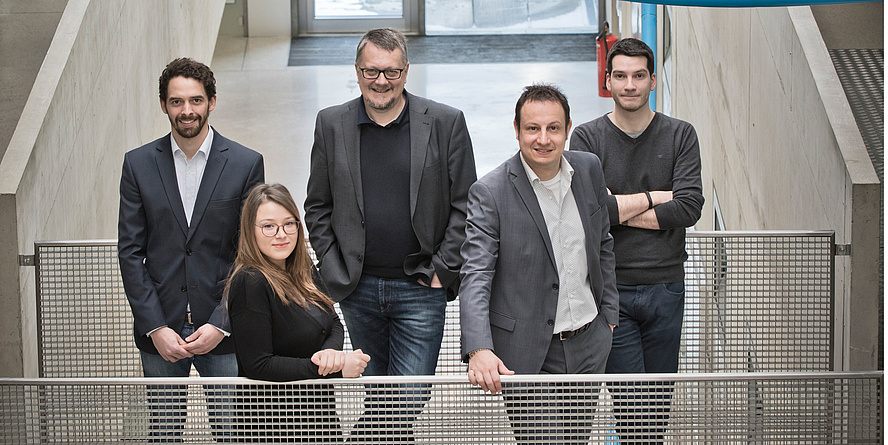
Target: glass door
357, 16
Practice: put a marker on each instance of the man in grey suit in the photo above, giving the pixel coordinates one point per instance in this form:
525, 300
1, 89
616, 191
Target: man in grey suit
538, 289
180, 203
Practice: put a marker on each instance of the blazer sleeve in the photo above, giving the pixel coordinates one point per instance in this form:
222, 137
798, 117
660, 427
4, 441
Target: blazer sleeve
462, 174
609, 303
250, 306
480, 252
319, 197
132, 239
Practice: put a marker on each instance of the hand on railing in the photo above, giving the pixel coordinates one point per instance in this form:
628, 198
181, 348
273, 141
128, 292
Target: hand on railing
485, 369
330, 361
355, 363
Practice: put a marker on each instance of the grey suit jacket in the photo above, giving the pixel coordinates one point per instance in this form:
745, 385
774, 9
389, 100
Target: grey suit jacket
165, 263
509, 291
442, 169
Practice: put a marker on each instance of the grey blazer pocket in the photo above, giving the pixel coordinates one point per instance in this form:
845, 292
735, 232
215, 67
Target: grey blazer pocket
501, 321
597, 212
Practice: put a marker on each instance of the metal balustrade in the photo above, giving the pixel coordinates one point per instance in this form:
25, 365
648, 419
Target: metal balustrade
755, 301
723, 408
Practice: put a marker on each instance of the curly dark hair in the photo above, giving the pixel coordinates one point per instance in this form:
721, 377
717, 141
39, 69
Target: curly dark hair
189, 69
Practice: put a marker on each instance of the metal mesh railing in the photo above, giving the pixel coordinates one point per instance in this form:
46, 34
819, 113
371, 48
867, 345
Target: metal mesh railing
758, 302
755, 301
84, 322
723, 408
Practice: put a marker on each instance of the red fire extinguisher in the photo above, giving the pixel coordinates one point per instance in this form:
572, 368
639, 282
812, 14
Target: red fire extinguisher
603, 44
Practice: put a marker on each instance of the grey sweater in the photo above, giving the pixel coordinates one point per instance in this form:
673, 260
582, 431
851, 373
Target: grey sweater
666, 156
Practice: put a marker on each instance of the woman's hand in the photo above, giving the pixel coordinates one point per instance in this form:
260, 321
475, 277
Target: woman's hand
329, 361
355, 362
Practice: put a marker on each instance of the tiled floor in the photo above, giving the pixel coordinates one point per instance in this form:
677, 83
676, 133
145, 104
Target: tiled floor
270, 107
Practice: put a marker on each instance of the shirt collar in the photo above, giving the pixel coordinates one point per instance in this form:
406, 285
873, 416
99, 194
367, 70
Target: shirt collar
204, 147
364, 118
565, 171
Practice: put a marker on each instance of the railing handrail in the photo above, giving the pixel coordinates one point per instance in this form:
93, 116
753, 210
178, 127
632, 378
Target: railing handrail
455, 379
690, 233
77, 243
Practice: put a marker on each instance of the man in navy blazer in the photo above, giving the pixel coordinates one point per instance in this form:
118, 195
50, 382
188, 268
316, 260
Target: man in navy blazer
180, 203
538, 291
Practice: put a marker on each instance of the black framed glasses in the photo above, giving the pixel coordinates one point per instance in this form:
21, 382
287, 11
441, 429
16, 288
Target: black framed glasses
271, 229
390, 74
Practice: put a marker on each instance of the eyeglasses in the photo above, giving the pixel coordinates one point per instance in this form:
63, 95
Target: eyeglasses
390, 74
270, 230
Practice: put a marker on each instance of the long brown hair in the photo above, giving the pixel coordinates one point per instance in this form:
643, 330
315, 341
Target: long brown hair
294, 283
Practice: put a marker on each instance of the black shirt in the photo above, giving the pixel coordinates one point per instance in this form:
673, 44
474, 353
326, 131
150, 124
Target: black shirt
385, 181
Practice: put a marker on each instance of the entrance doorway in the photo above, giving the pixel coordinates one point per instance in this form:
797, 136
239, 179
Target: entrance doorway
356, 16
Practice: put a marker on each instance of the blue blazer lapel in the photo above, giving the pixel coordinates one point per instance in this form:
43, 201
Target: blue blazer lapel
215, 164
420, 134
352, 147
525, 191
167, 170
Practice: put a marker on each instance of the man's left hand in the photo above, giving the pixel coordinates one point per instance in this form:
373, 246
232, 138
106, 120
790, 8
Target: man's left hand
203, 340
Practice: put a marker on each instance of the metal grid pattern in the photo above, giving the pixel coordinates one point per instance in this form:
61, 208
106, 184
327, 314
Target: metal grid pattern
758, 302
755, 301
787, 408
85, 325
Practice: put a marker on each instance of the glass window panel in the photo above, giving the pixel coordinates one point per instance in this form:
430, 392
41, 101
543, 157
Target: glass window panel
327, 9
447, 17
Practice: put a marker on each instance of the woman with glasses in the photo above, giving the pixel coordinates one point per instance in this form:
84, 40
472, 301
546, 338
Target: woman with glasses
284, 327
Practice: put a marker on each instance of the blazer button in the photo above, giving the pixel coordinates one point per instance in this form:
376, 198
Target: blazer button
184, 288
188, 252
555, 286
550, 322
360, 257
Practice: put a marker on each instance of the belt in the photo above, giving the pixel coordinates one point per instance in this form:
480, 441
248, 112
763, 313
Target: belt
188, 318
564, 335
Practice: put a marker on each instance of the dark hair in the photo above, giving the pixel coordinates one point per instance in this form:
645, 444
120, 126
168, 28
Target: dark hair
633, 48
294, 284
542, 92
189, 69
385, 38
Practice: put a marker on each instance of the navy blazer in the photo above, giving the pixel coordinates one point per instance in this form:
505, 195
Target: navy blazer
509, 292
166, 264
442, 168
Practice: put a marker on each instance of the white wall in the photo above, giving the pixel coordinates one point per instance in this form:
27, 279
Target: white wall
268, 18
95, 98
780, 146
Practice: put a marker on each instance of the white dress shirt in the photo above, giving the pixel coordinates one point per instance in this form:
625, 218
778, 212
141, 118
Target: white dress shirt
190, 172
576, 303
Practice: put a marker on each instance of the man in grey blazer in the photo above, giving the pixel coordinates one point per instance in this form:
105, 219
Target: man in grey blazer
385, 209
538, 292
180, 203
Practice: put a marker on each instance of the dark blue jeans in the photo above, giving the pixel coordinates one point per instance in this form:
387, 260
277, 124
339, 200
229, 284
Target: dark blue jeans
167, 403
647, 339
400, 324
